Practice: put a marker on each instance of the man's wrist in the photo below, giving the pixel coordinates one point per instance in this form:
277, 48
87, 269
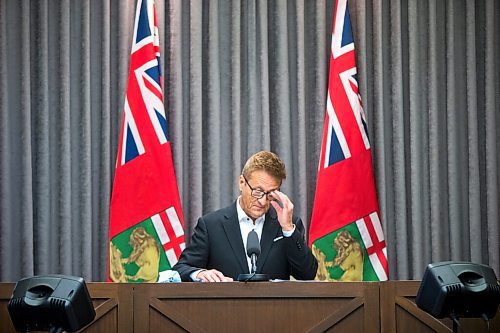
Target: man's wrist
194, 275
289, 232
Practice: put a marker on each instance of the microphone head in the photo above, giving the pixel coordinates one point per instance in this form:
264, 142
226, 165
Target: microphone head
253, 244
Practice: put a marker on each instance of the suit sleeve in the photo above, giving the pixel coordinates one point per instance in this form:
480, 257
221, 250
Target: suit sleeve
304, 264
195, 255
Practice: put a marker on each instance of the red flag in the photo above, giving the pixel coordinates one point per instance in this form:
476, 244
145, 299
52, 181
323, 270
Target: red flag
146, 233
346, 234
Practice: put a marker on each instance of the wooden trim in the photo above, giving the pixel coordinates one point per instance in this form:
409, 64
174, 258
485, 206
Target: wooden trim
174, 315
335, 317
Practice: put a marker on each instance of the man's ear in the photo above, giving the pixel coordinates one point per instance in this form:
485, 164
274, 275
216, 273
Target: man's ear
241, 183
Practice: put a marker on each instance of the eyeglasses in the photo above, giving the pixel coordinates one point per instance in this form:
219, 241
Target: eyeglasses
257, 193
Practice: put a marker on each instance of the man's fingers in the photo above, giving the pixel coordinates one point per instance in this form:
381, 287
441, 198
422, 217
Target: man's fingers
283, 198
219, 276
276, 205
213, 275
285, 210
207, 277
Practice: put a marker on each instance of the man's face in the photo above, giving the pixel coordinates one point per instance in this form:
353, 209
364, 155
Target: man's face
263, 182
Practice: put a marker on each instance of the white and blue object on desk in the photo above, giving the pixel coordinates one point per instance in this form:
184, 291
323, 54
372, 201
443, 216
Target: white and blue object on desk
169, 276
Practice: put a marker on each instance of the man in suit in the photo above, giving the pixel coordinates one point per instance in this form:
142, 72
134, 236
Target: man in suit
217, 251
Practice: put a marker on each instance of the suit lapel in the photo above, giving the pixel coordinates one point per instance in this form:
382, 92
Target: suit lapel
231, 226
270, 230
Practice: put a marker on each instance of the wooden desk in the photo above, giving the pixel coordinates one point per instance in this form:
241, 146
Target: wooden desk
258, 307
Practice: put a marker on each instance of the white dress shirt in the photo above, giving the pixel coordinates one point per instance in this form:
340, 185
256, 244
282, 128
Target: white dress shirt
247, 225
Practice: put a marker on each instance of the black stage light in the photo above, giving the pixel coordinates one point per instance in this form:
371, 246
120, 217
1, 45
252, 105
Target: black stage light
459, 290
53, 303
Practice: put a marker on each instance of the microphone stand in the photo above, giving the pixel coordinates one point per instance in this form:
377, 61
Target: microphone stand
253, 277
253, 250
253, 259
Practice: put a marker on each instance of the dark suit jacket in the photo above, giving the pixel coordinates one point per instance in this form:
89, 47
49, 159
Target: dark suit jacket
217, 244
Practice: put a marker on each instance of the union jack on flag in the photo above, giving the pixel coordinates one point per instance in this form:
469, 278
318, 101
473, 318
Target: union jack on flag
145, 86
346, 234
146, 233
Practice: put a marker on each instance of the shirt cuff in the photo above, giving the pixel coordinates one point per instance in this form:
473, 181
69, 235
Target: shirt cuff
195, 273
289, 232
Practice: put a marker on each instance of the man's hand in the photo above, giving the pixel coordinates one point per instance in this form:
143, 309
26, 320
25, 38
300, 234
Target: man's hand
212, 275
285, 213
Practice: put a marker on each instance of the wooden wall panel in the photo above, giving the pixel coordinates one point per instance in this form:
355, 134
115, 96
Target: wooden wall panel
113, 304
252, 307
399, 313
5, 294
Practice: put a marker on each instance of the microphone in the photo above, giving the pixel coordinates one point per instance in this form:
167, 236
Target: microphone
253, 251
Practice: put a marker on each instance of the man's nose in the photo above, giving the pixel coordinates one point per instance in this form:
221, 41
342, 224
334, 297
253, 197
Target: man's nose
264, 199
